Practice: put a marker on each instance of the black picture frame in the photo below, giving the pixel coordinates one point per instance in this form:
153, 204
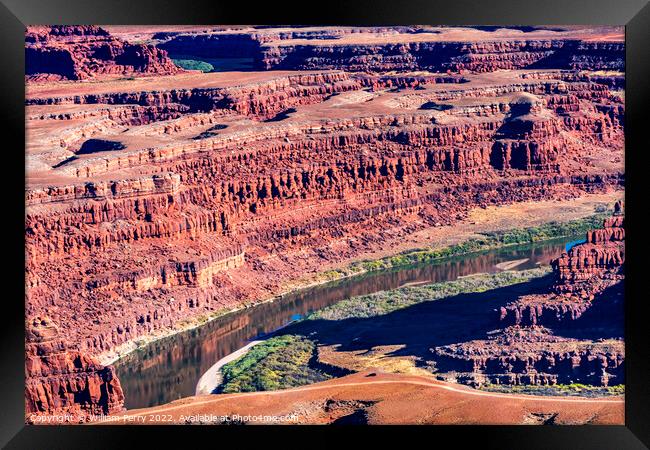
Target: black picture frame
634, 14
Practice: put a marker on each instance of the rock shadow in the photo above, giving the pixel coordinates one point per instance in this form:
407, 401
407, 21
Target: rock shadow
604, 320
418, 328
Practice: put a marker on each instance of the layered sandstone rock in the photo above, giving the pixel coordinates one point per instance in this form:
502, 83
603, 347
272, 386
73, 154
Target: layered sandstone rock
400, 49
581, 274
63, 381
533, 356
214, 190
587, 266
85, 51
587, 293
442, 56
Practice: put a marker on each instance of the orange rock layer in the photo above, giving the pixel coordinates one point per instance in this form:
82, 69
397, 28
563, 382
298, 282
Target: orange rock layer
588, 292
64, 381
176, 195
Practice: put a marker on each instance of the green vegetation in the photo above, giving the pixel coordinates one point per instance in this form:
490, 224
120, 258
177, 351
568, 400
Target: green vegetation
385, 302
193, 64
286, 361
280, 362
573, 389
487, 241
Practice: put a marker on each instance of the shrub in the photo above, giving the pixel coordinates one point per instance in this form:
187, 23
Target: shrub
487, 241
385, 302
573, 389
278, 363
192, 64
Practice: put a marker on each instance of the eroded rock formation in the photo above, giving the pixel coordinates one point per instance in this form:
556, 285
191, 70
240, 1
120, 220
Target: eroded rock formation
84, 51
533, 356
399, 48
548, 337
154, 202
585, 267
63, 381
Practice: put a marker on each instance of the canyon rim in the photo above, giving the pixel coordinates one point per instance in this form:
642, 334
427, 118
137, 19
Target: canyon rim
181, 175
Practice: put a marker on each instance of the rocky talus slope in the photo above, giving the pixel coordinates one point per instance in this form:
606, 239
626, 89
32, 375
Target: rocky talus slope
156, 197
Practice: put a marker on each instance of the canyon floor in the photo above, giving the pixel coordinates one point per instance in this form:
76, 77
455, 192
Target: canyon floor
178, 173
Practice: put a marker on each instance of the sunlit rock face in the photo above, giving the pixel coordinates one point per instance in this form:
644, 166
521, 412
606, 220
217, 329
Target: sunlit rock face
64, 381
156, 196
86, 51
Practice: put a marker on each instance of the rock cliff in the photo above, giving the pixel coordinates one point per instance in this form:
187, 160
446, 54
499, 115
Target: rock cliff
85, 51
400, 49
63, 381
157, 201
546, 336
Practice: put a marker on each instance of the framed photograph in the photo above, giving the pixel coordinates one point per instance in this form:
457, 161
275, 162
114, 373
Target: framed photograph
412, 215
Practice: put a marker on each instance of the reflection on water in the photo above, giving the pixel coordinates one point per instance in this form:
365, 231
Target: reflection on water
169, 369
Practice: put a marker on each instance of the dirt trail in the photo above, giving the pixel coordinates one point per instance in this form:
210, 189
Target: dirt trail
390, 392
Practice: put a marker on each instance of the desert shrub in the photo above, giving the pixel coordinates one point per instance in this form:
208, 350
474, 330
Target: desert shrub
280, 362
487, 241
573, 389
601, 208
385, 302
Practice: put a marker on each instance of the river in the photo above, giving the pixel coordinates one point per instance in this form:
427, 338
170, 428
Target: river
169, 369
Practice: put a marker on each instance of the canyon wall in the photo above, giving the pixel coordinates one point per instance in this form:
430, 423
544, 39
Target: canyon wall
159, 201
81, 52
63, 381
375, 50
443, 56
546, 336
